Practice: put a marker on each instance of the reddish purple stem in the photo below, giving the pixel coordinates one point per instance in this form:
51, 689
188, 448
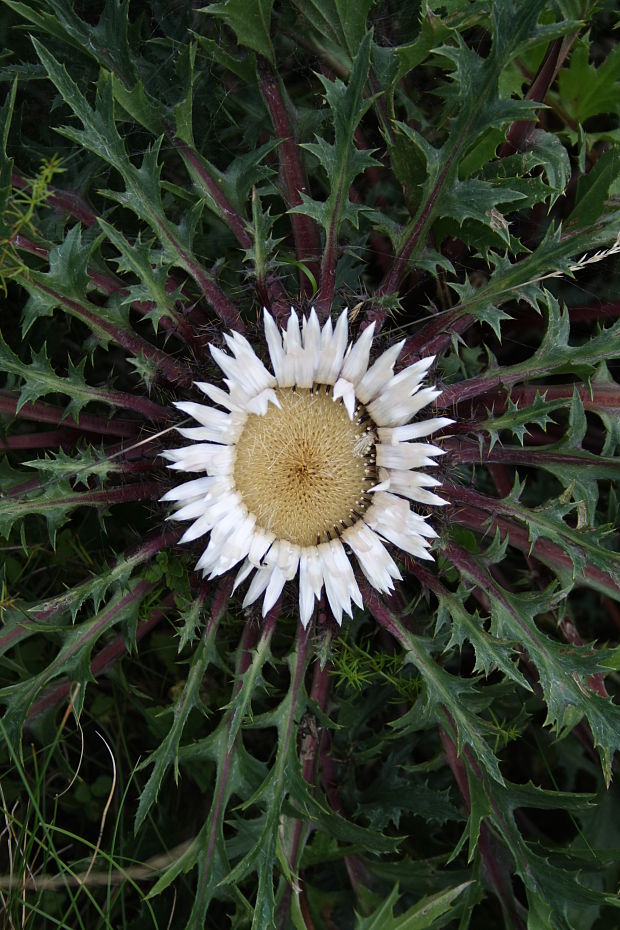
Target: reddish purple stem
50, 439
496, 869
88, 423
230, 216
215, 296
244, 660
172, 322
143, 490
592, 313
466, 452
172, 370
397, 272
103, 661
520, 132
62, 201
484, 515
305, 230
436, 335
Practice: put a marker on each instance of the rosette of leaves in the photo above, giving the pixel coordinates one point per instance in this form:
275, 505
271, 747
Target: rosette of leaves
447, 170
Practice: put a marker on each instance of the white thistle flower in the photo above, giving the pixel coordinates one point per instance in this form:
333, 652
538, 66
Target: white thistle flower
307, 463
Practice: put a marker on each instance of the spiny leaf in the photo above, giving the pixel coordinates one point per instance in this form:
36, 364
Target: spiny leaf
593, 191
586, 90
388, 797
139, 105
40, 380
237, 772
106, 41
283, 780
250, 20
517, 418
151, 269
486, 311
143, 190
167, 753
65, 285
551, 889
491, 652
429, 912
80, 468
54, 502
341, 22
549, 152
6, 164
252, 682
341, 160
554, 354
72, 659
235, 182
477, 107
23, 619
190, 620
446, 696
563, 670
264, 245
476, 199
242, 66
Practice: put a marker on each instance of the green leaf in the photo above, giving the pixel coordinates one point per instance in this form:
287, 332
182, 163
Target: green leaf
341, 160
88, 463
6, 164
40, 380
491, 652
240, 706
243, 67
24, 619
447, 698
516, 419
183, 110
143, 190
593, 190
563, 671
551, 888
235, 182
106, 41
586, 90
433, 32
167, 753
151, 269
388, 797
554, 354
73, 658
426, 913
139, 105
552, 155
340, 24
54, 502
477, 107
249, 19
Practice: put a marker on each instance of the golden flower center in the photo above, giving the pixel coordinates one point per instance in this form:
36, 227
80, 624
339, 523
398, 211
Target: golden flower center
305, 470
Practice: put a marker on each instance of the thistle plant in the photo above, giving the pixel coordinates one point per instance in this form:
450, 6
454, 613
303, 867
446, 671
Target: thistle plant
309, 422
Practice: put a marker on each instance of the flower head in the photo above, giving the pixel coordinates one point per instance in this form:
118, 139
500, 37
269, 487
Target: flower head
307, 463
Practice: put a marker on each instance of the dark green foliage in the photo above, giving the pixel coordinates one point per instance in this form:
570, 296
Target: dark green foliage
446, 759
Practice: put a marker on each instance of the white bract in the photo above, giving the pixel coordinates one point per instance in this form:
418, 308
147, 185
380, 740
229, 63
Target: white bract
309, 464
